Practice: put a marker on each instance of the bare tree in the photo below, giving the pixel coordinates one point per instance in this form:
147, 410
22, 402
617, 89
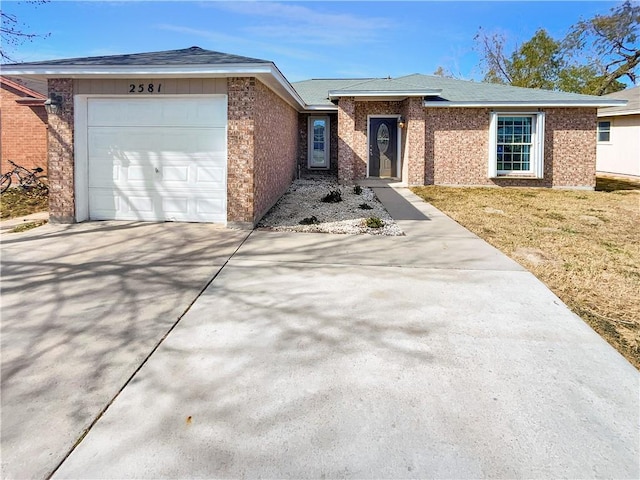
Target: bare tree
14, 33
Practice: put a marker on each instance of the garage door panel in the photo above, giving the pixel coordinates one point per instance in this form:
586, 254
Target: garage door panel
157, 160
135, 112
158, 141
210, 175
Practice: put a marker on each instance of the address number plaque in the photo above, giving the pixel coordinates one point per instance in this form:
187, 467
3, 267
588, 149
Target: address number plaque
145, 88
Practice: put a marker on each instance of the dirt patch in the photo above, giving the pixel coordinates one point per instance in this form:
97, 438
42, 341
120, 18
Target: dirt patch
534, 256
585, 246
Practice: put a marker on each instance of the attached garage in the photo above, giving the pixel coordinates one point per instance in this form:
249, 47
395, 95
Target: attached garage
186, 135
156, 158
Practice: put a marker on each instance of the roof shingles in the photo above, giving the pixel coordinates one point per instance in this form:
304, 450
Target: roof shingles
186, 56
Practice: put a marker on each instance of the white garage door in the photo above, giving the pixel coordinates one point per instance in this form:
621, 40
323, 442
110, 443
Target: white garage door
157, 159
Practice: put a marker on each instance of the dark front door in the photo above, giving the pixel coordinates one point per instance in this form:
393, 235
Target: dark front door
383, 147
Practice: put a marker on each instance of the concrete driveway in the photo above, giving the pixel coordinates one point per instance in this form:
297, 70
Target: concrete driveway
82, 308
327, 356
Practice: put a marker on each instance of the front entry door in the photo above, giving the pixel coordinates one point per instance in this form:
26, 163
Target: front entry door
383, 147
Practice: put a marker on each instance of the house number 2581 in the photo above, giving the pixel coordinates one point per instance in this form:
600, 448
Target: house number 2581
145, 88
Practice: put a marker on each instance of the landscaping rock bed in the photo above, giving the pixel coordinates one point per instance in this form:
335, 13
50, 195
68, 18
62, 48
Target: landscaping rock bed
302, 209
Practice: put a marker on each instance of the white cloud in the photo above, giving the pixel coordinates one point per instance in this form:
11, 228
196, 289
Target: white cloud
302, 24
232, 43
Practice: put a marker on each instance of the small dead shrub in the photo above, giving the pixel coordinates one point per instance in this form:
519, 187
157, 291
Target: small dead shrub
365, 206
357, 189
334, 196
312, 220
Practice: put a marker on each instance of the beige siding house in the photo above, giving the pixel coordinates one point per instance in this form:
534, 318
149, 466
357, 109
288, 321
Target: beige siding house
619, 135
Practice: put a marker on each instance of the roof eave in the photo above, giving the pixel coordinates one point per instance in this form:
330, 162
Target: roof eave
618, 113
136, 71
320, 108
22, 88
530, 103
31, 102
268, 73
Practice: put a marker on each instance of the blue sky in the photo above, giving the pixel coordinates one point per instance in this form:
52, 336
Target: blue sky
305, 39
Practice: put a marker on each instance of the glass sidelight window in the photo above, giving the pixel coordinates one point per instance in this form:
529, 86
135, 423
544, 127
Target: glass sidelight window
318, 139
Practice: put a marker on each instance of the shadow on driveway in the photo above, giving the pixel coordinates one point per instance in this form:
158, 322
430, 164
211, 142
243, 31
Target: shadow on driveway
82, 306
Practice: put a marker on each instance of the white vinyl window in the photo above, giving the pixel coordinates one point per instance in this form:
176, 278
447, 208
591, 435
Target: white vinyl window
516, 144
318, 140
604, 131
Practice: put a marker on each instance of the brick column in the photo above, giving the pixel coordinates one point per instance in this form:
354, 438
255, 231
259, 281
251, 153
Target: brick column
60, 158
415, 152
240, 150
346, 130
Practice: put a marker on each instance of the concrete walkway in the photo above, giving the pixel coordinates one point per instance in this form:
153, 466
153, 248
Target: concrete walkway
10, 224
327, 356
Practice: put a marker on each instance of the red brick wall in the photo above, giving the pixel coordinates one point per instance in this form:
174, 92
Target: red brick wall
457, 148
240, 149
570, 139
276, 148
413, 146
61, 173
23, 133
346, 139
262, 149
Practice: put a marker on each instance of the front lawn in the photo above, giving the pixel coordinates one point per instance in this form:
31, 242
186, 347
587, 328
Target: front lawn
584, 245
17, 202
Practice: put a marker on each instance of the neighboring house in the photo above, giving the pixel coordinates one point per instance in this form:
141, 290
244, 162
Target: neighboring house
619, 135
196, 135
23, 123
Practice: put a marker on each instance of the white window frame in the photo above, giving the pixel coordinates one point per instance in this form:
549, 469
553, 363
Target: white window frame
598, 131
327, 139
536, 159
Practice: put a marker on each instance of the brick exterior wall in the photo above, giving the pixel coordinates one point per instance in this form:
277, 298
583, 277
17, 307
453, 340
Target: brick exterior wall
413, 149
303, 132
457, 145
346, 138
450, 146
61, 172
240, 149
262, 149
570, 140
275, 149
24, 132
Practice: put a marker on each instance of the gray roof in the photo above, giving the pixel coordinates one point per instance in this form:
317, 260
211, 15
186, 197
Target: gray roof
632, 95
315, 92
186, 56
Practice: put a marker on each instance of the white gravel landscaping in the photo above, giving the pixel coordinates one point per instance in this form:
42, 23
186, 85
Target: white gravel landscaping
303, 200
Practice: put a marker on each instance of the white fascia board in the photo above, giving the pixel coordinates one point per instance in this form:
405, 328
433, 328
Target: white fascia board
286, 86
535, 103
333, 94
138, 71
618, 114
268, 73
321, 108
